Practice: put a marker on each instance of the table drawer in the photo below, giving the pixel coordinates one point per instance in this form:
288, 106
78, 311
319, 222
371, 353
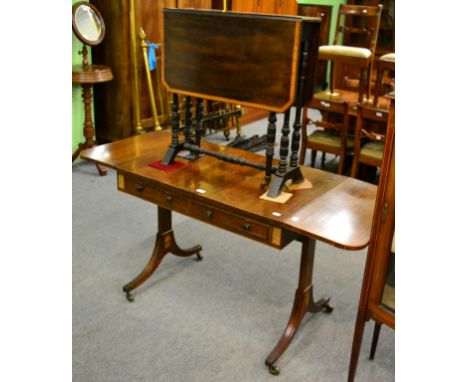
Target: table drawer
231, 222
151, 193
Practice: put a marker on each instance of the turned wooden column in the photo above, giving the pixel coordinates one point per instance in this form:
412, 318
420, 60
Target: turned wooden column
87, 75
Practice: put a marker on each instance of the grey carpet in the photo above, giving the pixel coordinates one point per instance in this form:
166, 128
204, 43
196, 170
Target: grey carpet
214, 320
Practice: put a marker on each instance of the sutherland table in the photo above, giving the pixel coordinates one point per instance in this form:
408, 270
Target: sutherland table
337, 210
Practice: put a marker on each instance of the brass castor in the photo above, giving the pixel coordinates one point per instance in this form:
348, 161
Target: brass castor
128, 295
199, 257
273, 369
327, 308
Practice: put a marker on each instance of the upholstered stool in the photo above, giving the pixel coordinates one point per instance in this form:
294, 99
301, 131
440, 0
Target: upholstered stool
361, 57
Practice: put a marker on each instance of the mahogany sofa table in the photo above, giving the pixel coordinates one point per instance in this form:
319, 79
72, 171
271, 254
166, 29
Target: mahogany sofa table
337, 210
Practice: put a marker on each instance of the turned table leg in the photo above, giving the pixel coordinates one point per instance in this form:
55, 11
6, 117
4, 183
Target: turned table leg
88, 129
165, 243
303, 302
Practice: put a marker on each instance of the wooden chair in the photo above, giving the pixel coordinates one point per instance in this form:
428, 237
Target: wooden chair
377, 301
385, 63
369, 137
331, 135
360, 56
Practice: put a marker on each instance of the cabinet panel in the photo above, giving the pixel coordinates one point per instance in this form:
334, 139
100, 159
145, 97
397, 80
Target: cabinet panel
114, 101
286, 7
325, 14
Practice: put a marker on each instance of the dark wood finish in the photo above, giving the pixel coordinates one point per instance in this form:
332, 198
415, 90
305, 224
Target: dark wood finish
259, 55
303, 303
346, 75
240, 194
87, 76
383, 228
386, 40
270, 147
324, 12
368, 29
339, 127
283, 7
227, 196
165, 243
238, 68
382, 66
371, 126
113, 107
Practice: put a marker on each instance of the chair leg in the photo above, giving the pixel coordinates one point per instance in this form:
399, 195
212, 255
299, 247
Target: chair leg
341, 163
313, 156
354, 168
323, 158
375, 340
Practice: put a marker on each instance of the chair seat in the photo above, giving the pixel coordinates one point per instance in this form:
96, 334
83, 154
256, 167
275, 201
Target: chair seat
388, 57
347, 51
329, 138
373, 149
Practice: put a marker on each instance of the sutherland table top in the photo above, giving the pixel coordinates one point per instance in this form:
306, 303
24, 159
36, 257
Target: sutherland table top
337, 210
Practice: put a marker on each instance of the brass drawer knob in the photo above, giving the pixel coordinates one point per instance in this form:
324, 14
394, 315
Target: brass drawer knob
246, 227
208, 214
169, 198
139, 188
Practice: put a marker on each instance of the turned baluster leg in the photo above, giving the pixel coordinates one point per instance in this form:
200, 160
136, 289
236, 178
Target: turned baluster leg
88, 128
174, 147
296, 137
188, 119
270, 148
284, 145
198, 123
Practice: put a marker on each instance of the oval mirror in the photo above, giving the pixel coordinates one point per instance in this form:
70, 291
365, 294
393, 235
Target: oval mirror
88, 23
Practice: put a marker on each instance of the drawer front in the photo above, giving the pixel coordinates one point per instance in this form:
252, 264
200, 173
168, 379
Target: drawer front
160, 196
231, 222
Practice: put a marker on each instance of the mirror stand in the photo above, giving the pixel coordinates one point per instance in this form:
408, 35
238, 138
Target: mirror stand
89, 27
84, 53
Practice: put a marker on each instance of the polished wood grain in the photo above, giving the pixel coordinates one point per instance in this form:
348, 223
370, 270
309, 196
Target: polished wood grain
336, 210
114, 111
91, 74
231, 57
383, 228
87, 75
345, 204
324, 12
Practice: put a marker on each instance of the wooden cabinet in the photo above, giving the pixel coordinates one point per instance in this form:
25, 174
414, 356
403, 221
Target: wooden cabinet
115, 107
325, 13
286, 7
377, 301
254, 6
280, 7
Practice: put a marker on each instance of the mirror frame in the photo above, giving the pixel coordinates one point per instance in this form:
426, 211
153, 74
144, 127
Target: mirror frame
76, 30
